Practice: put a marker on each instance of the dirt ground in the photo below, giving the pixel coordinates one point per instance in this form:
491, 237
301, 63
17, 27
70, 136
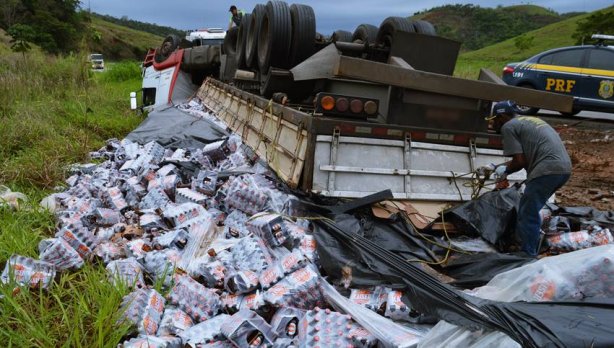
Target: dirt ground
591, 148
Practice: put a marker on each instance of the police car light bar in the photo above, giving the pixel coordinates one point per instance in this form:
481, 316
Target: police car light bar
602, 37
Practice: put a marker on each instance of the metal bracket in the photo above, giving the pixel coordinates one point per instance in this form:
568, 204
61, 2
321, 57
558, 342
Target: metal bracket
473, 154
334, 147
407, 163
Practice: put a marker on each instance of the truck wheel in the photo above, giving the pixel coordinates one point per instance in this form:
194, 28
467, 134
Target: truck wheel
253, 29
242, 40
275, 36
341, 36
527, 110
230, 41
391, 25
365, 33
168, 46
424, 27
303, 33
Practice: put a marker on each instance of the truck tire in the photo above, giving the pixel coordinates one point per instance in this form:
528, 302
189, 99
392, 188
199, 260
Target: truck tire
168, 46
275, 36
303, 33
527, 110
230, 41
365, 33
341, 36
253, 29
424, 27
242, 40
391, 25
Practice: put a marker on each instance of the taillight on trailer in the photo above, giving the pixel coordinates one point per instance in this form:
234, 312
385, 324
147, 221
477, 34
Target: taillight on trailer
343, 104
346, 106
327, 102
508, 70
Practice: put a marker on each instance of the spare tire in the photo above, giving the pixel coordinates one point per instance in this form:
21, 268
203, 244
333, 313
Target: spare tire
275, 36
341, 36
303, 33
424, 27
253, 29
168, 46
365, 33
230, 41
241, 40
390, 26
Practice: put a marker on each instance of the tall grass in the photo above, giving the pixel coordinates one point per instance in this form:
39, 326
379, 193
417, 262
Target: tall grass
53, 111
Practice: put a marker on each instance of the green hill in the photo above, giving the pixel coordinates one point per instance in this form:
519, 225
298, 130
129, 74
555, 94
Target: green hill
478, 27
117, 42
158, 30
495, 56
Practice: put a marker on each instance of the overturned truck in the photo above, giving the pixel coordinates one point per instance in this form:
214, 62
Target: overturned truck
349, 114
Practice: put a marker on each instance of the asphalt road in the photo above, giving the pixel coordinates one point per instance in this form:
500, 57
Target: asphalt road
585, 119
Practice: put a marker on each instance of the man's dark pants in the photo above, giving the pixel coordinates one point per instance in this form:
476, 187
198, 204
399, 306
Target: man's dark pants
535, 196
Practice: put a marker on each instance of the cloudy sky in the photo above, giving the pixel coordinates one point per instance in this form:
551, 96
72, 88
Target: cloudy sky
330, 14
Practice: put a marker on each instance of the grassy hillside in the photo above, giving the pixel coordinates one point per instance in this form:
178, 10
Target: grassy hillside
495, 57
158, 30
478, 27
117, 42
53, 111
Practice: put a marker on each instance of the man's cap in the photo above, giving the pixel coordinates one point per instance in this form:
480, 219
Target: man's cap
232, 8
506, 107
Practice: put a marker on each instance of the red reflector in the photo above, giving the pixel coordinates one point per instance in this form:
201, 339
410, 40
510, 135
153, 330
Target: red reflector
344, 128
508, 70
380, 131
418, 136
461, 139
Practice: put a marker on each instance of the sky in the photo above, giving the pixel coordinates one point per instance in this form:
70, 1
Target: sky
330, 14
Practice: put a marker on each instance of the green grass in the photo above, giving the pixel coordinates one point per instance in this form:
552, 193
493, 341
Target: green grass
495, 57
53, 111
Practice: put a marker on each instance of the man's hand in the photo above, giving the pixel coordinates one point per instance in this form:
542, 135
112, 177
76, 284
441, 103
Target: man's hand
501, 173
486, 170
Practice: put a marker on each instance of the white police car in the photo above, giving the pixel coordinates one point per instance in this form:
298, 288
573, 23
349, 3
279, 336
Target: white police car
585, 72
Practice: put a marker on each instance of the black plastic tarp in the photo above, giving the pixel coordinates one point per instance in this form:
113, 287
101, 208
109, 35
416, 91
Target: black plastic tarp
584, 215
396, 235
473, 270
560, 324
492, 216
174, 128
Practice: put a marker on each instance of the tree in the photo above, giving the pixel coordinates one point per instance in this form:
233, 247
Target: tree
21, 37
601, 22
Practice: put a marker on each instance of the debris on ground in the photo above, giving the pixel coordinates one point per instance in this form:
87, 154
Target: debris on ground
10, 198
217, 252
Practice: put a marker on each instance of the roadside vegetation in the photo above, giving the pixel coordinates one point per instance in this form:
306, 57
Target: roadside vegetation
564, 33
53, 111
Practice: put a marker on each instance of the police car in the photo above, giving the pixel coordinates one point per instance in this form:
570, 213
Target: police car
585, 72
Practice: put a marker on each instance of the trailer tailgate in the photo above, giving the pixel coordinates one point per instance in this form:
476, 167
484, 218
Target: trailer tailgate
355, 167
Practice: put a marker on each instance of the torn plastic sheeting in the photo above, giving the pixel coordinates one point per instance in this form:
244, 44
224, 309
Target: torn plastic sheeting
378, 266
387, 332
473, 270
492, 216
584, 215
174, 128
530, 326
395, 235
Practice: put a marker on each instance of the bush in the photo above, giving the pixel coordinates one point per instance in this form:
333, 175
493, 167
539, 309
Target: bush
524, 42
122, 71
